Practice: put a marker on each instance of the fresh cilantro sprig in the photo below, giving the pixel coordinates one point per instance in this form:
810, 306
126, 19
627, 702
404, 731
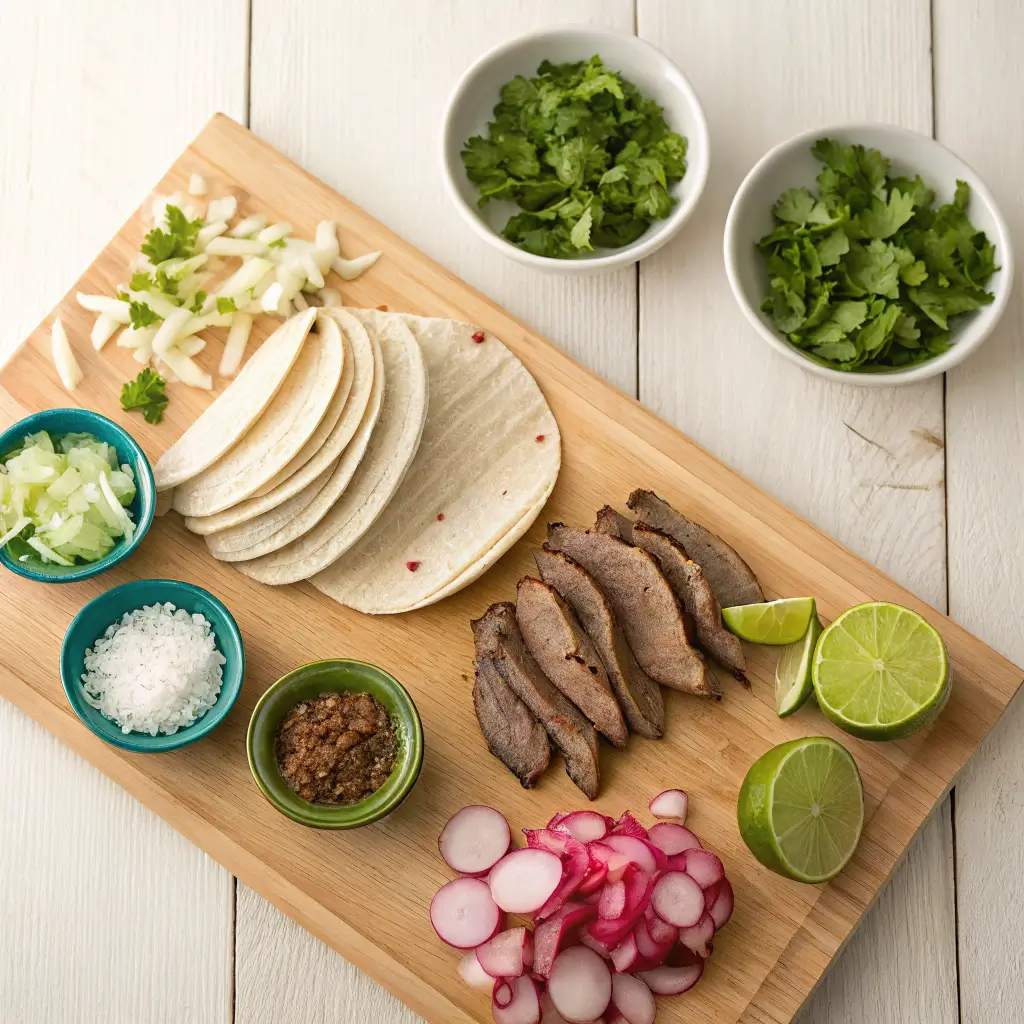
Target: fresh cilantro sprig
178, 241
145, 393
866, 275
141, 315
226, 305
588, 159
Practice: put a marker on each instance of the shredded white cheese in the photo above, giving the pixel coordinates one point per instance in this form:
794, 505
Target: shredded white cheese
158, 670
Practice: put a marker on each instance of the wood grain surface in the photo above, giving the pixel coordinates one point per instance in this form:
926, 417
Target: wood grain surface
345, 887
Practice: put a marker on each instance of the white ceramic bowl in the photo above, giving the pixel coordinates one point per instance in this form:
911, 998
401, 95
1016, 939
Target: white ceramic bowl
790, 165
470, 106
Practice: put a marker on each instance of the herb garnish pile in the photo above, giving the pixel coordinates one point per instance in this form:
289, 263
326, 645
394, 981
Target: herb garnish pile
866, 275
583, 153
145, 393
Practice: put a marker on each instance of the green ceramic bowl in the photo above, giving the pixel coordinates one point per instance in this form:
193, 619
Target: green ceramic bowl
90, 624
310, 681
81, 421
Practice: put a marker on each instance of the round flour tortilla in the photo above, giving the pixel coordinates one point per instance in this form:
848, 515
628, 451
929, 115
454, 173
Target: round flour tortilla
489, 457
228, 419
361, 359
389, 454
280, 526
276, 437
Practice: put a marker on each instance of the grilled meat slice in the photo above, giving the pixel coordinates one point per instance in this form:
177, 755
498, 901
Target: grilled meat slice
513, 735
567, 656
643, 603
613, 524
687, 579
497, 634
730, 577
639, 696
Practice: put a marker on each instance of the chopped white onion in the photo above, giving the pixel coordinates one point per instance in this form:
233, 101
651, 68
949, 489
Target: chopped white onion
102, 330
170, 330
300, 303
190, 346
132, 338
222, 209
67, 366
186, 371
312, 271
248, 275
116, 309
273, 299
330, 296
274, 233
234, 349
197, 185
160, 304
349, 270
236, 247
249, 226
210, 234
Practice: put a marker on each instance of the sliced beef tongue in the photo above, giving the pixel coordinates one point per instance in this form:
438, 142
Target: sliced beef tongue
496, 634
513, 735
730, 577
639, 696
567, 656
687, 579
644, 604
613, 524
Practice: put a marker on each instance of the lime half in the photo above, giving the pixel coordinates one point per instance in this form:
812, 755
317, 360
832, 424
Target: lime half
801, 808
793, 684
881, 672
770, 622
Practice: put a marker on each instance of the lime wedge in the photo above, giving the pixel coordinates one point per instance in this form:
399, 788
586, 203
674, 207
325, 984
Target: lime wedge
793, 684
801, 808
881, 672
770, 622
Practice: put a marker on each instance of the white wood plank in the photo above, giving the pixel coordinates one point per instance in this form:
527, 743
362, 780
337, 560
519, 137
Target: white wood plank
865, 465
372, 80
108, 913
979, 85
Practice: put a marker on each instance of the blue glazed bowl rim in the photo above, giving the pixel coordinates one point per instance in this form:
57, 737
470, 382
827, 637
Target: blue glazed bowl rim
231, 685
145, 486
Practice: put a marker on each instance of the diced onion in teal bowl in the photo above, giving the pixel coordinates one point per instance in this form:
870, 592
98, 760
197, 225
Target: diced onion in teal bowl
91, 623
24, 560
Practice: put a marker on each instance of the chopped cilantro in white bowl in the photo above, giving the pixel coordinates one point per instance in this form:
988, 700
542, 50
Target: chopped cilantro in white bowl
868, 254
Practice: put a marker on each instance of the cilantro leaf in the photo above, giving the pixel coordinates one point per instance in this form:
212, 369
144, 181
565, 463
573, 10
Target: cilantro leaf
225, 305
197, 302
278, 243
141, 315
178, 241
145, 393
140, 282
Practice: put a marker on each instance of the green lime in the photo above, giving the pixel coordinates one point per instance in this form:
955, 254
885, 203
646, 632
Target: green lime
793, 682
770, 622
801, 808
881, 672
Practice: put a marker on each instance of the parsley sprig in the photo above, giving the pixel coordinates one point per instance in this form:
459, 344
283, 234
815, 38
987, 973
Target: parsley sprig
867, 274
178, 241
145, 393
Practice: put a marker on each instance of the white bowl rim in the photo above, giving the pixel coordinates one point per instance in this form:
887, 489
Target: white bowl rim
651, 240
940, 364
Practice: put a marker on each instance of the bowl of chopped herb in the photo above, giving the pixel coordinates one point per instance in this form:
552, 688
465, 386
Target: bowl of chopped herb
574, 149
868, 254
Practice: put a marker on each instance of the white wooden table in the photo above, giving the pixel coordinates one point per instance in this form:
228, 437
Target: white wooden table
107, 914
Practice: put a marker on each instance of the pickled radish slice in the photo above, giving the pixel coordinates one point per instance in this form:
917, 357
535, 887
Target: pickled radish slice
508, 954
721, 909
524, 880
463, 913
671, 981
704, 867
613, 900
580, 985
632, 999
474, 840
671, 838
697, 938
473, 974
551, 933
635, 850
585, 826
678, 899
625, 954
524, 1005
672, 803
501, 994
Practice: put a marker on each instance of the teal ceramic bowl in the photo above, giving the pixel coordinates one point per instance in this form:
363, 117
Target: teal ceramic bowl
91, 623
310, 681
22, 559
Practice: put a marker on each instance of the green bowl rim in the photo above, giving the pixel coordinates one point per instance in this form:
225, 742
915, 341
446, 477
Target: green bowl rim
346, 817
145, 486
231, 684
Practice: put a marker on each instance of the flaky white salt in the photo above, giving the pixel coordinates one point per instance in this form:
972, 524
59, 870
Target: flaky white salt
156, 671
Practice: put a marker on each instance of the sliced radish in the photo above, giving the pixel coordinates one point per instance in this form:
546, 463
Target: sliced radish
671, 838
575, 862
704, 867
548, 1013
671, 981
524, 1005
602, 949
557, 817
613, 901
647, 947
506, 955
721, 911
627, 825
672, 803
632, 999
473, 974
638, 851
611, 1016
464, 914
580, 984
617, 867
524, 880
678, 899
586, 826
660, 931
474, 840
698, 937
625, 954
711, 894
501, 994
550, 935
599, 852
638, 895
594, 879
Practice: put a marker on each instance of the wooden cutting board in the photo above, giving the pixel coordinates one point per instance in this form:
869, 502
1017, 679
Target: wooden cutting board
366, 892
